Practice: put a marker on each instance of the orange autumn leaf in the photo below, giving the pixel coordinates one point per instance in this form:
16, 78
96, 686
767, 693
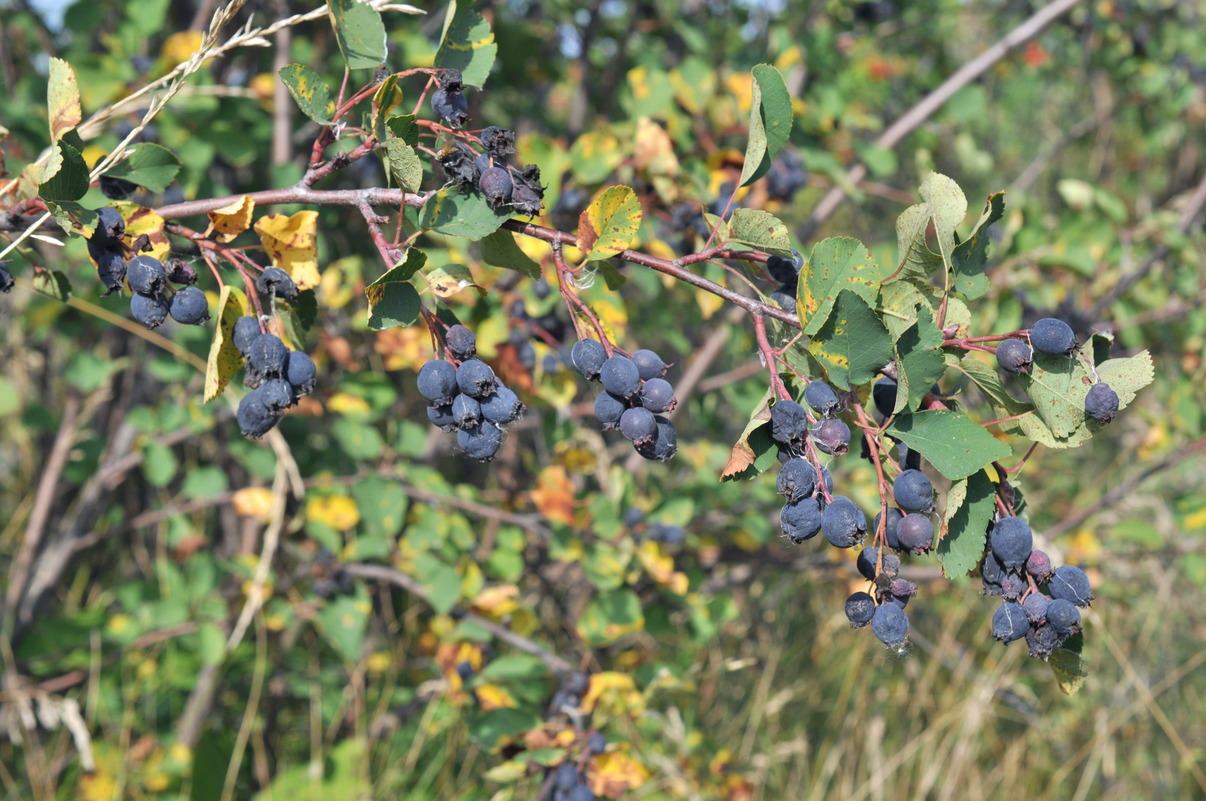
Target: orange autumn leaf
614, 773
554, 495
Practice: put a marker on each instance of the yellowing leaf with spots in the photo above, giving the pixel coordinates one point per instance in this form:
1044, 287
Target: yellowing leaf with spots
492, 696
290, 241
309, 91
614, 773
660, 567
554, 495
608, 225
335, 511
497, 601
224, 358
139, 221
252, 502
613, 692
231, 220
63, 99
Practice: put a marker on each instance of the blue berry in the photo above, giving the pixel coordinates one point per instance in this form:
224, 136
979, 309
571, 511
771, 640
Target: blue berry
146, 275
1071, 584
913, 491
915, 533
801, 520
1009, 623
438, 382
502, 406
466, 412
789, 423
649, 364
246, 329
891, 527
1014, 356
1101, 403
189, 306
883, 393
1035, 606
785, 271
890, 625
797, 479
275, 281
620, 376
638, 425
277, 394
150, 310
461, 341
256, 418
587, 357
609, 409
664, 444
267, 356
860, 608
497, 186
1011, 541
475, 378
1063, 616
832, 436
453, 107
110, 228
821, 397
844, 524
301, 372
441, 416
111, 270
657, 395
1052, 337
480, 443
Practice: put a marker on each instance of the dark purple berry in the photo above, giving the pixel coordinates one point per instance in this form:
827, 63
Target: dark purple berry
1071, 584
267, 356
1101, 403
832, 436
1035, 607
609, 409
190, 306
180, 272
890, 625
110, 228
497, 186
146, 275
821, 397
1064, 617
1011, 541
797, 479
1042, 640
860, 608
801, 520
246, 329
150, 310
649, 364
913, 491
461, 341
916, 533
789, 423
884, 396
844, 524
587, 357
300, 372
664, 444
111, 270
438, 382
1052, 337
657, 395
1009, 623
785, 271
891, 527
620, 376
452, 106
256, 418
1038, 565
498, 141
276, 282
1014, 356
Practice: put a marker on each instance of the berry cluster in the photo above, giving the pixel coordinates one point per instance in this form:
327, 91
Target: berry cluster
153, 299
501, 183
663, 533
468, 397
1013, 570
569, 780
276, 376
635, 396
1054, 337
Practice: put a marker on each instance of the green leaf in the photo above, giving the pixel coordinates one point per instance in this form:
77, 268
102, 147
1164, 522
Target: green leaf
971, 254
759, 229
497, 725
343, 621
500, 249
944, 205
1068, 665
450, 211
608, 224
158, 464
899, 302
310, 92
467, 44
65, 175
953, 444
514, 667
1057, 386
970, 505
393, 301
770, 122
610, 616
404, 166
921, 361
440, 581
853, 344
52, 283
836, 263
359, 31
150, 166
1127, 376
358, 439
403, 126
382, 506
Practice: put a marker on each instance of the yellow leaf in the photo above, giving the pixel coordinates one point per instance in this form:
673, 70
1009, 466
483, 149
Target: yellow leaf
491, 696
336, 511
608, 224
379, 662
497, 601
347, 404
614, 693
224, 358
229, 221
403, 348
614, 773
63, 99
654, 150
291, 244
179, 48
139, 221
554, 495
253, 502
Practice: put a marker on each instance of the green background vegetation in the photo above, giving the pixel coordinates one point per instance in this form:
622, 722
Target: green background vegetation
748, 684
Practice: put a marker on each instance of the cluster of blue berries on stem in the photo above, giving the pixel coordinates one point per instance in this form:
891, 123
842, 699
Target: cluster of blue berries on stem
635, 397
276, 375
1054, 337
468, 397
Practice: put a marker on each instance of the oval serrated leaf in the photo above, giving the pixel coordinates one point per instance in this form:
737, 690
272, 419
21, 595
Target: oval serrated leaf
953, 444
151, 166
454, 213
309, 91
770, 122
392, 299
224, 358
608, 225
467, 45
359, 31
